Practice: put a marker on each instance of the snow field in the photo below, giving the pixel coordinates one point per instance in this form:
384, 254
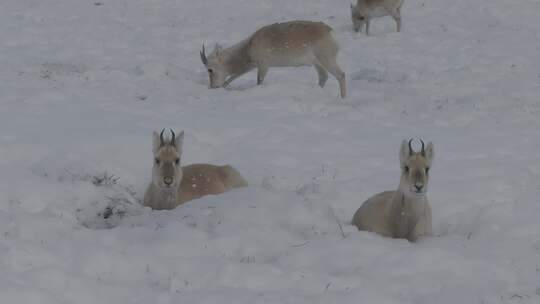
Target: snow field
84, 85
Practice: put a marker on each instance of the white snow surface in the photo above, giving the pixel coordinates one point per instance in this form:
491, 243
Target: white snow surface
85, 82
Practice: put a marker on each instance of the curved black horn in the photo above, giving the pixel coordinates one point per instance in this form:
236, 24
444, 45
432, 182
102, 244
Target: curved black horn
173, 138
203, 56
411, 151
423, 151
161, 141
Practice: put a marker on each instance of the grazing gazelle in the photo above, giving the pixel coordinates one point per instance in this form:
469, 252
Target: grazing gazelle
173, 185
364, 10
404, 213
294, 43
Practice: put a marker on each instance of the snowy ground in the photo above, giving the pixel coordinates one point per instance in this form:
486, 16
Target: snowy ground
84, 83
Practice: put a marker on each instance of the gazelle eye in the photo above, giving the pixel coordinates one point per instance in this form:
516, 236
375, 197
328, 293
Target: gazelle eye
427, 170
156, 161
210, 71
406, 169
177, 161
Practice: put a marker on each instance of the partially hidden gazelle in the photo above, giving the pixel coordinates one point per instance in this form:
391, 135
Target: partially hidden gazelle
365, 10
173, 185
405, 212
294, 43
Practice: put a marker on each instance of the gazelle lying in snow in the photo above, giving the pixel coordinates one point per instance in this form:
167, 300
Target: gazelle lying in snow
294, 43
364, 10
404, 213
173, 185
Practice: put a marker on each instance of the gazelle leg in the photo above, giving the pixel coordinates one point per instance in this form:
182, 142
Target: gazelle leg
230, 79
396, 14
367, 26
397, 18
261, 73
323, 75
333, 68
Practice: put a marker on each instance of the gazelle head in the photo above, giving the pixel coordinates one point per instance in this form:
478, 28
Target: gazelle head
415, 168
357, 18
166, 172
215, 66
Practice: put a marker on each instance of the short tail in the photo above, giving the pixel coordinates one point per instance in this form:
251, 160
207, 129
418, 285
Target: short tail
233, 178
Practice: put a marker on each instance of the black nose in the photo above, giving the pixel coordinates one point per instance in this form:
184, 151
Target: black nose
167, 181
419, 187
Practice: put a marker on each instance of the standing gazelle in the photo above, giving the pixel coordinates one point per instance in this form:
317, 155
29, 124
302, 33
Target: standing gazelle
294, 43
364, 10
173, 185
404, 213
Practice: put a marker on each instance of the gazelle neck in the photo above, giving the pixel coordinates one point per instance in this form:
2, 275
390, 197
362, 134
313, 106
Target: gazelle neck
168, 198
405, 212
406, 204
237, 58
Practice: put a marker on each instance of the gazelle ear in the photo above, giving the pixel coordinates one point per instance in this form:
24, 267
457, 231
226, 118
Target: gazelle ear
217, 49
156, 142
178, 141
429, 152
404, 152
